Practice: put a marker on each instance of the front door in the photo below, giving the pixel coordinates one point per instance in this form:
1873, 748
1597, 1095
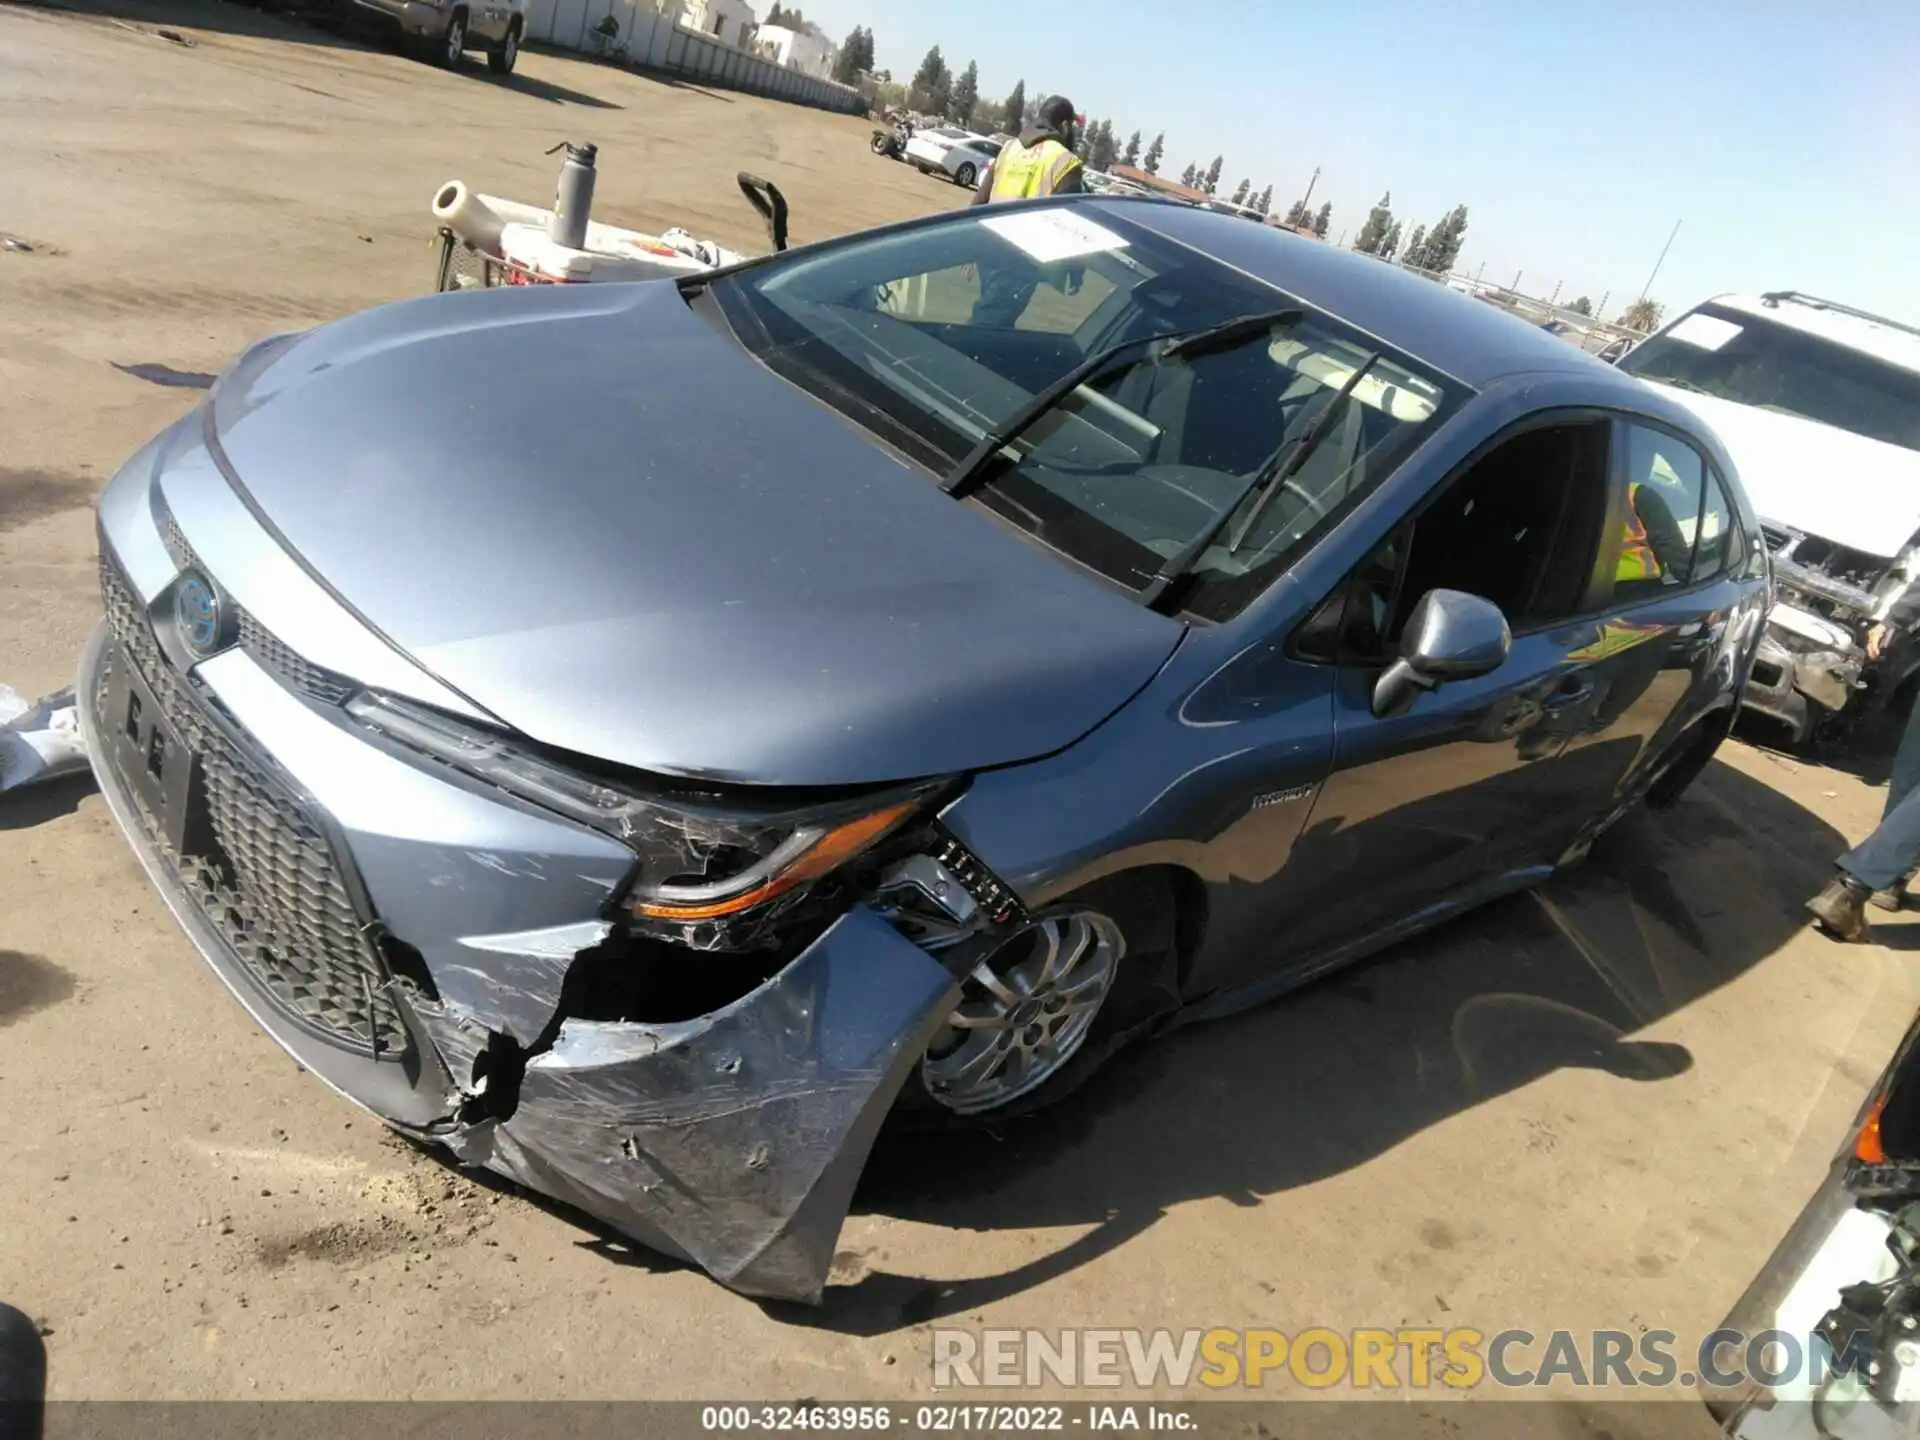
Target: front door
1474, 783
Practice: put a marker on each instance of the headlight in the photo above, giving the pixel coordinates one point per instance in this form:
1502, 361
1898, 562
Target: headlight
702, 862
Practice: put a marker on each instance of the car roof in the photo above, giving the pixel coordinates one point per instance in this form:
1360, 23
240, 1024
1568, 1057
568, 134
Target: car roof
1471, 341
1884, 339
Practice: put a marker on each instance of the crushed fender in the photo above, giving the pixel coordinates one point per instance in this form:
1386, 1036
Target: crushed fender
733, 1139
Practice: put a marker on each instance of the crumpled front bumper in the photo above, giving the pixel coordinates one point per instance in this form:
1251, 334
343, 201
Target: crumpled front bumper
733, 1140
1804, 668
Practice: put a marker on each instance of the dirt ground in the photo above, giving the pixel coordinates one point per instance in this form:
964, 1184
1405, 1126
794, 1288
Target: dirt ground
1598, 1106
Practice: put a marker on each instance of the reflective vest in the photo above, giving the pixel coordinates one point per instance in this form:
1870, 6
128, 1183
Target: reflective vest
1025, 173
1637, 560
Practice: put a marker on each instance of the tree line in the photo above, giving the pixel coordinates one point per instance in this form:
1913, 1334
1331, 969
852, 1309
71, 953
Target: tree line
937, 90
1435, 248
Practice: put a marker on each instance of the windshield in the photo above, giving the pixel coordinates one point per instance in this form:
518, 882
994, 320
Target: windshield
1754, 361
935, 337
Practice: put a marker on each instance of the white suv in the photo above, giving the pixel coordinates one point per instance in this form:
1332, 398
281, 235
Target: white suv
1819, 405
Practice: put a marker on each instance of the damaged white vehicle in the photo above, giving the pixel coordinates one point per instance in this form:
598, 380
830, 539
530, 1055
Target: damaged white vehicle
1819, 404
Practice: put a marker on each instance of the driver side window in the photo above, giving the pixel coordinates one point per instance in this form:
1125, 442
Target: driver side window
1521, 526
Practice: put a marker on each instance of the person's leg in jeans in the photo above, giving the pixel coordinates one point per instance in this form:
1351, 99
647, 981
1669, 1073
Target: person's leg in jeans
1880, 862
1904, 779
1906, 763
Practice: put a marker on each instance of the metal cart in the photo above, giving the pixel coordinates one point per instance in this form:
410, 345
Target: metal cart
464, 266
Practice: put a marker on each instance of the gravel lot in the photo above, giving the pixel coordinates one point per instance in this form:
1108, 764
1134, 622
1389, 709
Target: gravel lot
1597, 1106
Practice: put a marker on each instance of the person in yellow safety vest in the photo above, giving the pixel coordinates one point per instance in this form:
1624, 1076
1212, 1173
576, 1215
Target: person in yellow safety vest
1040, 163
1652, 546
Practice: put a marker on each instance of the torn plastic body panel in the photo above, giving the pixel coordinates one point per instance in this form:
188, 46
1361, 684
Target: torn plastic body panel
734, 1139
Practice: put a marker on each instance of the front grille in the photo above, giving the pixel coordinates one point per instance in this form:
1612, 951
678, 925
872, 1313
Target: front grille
286, 665
267, 879
292, 669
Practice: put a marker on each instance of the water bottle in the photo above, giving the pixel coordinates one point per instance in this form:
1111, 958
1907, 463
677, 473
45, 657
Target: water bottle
573, 200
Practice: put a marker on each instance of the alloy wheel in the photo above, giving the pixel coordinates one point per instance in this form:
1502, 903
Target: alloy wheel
1024, 1012
456, 41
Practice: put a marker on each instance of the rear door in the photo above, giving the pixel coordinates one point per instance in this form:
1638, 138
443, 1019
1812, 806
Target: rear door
1659, 657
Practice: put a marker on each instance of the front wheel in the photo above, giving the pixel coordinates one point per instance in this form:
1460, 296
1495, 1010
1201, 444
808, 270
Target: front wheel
504, 56
965, 177
1038, 1015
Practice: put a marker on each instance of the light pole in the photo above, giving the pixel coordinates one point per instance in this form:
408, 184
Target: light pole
1661, 261
1304, 199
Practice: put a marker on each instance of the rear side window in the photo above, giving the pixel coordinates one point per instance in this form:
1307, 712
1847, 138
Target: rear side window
1717, 548
1666, 485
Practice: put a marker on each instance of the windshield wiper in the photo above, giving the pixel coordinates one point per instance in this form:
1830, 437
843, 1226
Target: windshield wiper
1267, 481
972, 466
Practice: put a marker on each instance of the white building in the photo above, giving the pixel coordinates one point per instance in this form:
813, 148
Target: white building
807, 51
729, 21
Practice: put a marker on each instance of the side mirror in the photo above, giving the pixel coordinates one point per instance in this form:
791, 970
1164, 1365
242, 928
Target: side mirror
766, 198
1450, 636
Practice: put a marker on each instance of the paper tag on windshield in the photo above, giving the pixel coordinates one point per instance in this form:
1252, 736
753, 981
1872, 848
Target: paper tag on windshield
1708, 332
1049, 235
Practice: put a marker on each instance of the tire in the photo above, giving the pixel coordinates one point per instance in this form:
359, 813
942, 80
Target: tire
503, 57
1130, 921
966, 177
880, 145
1683, 764
450, 47
1673, 772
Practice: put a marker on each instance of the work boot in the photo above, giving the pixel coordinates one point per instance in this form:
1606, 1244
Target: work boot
1893, 898
1841, 909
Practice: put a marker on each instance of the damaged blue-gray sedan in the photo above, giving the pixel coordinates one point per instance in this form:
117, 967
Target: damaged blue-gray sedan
641, 737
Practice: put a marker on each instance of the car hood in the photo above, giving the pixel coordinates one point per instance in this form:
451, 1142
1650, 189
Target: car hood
587, 509
1862, 493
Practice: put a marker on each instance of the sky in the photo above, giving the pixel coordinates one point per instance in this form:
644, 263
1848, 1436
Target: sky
1783, 137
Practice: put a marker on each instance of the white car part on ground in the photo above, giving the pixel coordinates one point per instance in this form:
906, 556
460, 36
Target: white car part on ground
40, 741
